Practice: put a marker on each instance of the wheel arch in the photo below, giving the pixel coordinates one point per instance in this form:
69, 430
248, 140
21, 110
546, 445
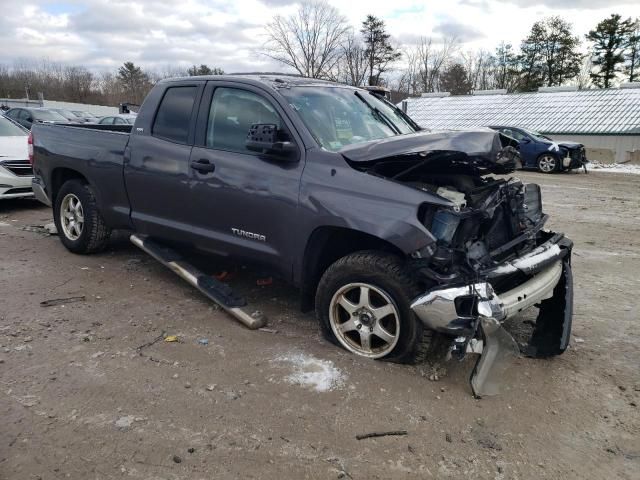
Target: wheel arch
326, 245
61, 175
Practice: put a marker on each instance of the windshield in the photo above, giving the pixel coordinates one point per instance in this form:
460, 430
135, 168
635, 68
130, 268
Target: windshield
338, 117
535, 134
68, 114
9, 129
48, 115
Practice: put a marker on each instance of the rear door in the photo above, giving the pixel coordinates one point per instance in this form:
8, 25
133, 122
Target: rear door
157, 172
243, 202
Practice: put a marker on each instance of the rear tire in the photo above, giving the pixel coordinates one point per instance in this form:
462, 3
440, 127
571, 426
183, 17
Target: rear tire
80, 225
383, 314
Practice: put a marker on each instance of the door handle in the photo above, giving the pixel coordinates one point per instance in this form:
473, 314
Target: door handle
203, 165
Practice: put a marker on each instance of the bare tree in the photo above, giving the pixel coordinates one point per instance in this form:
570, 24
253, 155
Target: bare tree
352, 65
433, 58
310, 40
480, 66
409, 80
583, 79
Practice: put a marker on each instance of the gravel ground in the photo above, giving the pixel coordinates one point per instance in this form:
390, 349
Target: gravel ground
90, 390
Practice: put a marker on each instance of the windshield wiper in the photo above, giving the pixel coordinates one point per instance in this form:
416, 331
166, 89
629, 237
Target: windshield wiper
381, 116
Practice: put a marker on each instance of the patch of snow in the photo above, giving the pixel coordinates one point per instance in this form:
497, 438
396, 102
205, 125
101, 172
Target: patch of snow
125, 422
614, 168
309, 371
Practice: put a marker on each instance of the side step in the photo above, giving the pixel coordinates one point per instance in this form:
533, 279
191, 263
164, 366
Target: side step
212, 288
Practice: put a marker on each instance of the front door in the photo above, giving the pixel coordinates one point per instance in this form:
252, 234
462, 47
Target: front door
245, 202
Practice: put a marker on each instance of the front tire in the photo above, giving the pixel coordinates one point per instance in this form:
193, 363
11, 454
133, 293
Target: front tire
80, 225
547, 163
363, 304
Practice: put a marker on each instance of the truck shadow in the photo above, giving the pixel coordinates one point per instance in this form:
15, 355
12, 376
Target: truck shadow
15, 205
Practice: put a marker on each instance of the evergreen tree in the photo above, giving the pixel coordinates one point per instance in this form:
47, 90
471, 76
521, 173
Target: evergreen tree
632, 55
455, 80
204, 70
610, 39
531, 59
134, 82
549, 54
379, 51
506, 63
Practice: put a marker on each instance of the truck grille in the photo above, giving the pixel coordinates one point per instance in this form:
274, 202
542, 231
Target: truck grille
21, 168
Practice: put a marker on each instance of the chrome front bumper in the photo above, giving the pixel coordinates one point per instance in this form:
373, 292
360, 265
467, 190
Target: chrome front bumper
473, 314
454, 310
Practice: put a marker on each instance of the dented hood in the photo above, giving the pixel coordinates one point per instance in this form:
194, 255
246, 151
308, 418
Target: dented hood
481, 145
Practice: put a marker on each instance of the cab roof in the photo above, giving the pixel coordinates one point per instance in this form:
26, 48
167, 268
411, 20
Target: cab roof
272, 80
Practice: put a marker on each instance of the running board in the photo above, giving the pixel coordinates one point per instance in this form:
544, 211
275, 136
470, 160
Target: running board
217, 291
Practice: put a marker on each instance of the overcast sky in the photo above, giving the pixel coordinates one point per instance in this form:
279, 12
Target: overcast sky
102, 34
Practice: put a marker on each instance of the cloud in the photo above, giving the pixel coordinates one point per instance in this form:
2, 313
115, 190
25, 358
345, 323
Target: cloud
102, 34
464, 33
154, 33
562, 4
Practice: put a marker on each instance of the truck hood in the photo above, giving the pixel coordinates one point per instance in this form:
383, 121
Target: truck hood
481, 147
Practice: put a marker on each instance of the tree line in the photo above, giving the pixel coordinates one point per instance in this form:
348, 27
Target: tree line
317, 41
69, 83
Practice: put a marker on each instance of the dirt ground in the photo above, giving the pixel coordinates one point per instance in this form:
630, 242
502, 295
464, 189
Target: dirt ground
86, 393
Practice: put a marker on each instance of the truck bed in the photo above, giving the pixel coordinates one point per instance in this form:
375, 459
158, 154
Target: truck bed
96, 152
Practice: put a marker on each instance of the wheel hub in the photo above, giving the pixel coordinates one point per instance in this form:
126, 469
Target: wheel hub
366, 318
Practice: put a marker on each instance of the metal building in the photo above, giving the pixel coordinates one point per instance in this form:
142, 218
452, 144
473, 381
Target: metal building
606, 121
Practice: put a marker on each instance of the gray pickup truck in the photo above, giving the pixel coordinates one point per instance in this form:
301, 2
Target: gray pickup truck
395, 235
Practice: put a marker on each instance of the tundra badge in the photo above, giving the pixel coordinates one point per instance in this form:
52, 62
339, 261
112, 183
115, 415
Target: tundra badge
252, 236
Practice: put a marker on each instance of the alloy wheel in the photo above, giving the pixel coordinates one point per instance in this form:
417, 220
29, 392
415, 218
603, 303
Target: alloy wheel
365, 320
71, 216
547, 163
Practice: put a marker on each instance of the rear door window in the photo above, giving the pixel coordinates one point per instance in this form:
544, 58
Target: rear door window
174, 114
232, 113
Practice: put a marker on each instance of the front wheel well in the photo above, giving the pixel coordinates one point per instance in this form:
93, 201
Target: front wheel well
328, 244
61, 175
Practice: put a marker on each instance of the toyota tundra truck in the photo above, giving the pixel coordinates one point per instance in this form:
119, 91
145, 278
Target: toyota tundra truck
396, 236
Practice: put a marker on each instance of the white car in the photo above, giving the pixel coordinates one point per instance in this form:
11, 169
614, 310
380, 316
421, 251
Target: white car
15, 169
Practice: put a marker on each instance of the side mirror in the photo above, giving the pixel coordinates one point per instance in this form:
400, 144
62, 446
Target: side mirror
268, 139
525, 140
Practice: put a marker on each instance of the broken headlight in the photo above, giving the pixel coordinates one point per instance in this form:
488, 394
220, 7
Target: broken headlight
444, 225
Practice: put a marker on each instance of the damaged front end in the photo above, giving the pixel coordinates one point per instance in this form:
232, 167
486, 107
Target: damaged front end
490, 258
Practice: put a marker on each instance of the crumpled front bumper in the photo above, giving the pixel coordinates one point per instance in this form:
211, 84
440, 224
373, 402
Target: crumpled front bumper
475, 312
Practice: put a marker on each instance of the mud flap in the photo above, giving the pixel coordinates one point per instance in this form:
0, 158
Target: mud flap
499, 352
552, 332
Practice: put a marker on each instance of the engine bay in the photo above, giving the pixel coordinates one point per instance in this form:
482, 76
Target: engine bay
489, 219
